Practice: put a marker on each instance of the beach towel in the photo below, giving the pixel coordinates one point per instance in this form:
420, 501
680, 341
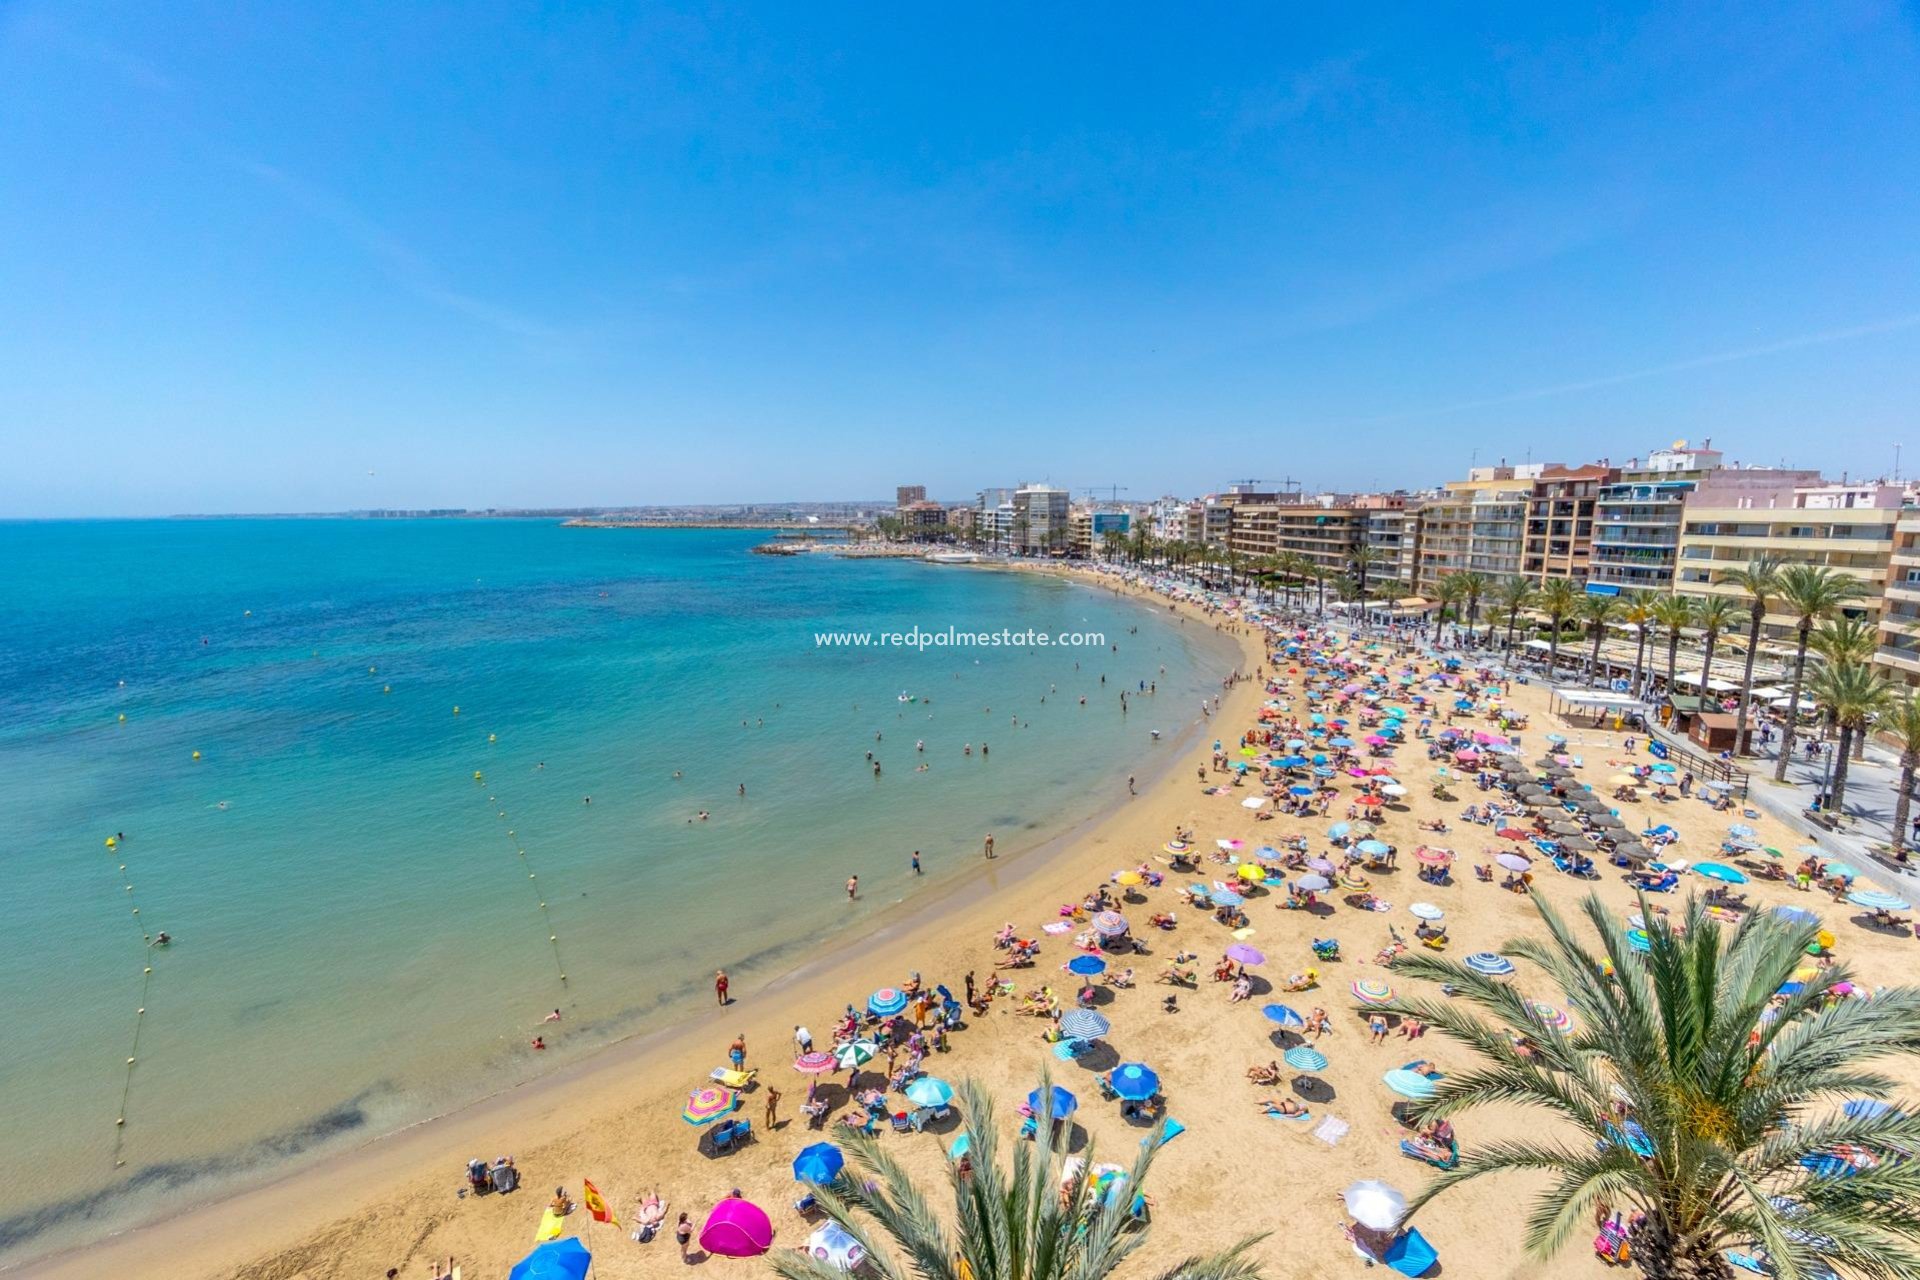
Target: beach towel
1241, 935
1058, 926
1331, 1130
1168, 1132
1281, 1115
551, 1225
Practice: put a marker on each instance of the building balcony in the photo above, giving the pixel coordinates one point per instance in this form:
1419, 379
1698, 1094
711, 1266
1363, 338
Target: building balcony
1901, 659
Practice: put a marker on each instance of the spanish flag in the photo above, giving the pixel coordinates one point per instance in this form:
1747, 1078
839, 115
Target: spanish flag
596, 1204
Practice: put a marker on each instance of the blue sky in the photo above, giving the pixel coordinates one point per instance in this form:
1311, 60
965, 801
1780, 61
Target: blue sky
254, 258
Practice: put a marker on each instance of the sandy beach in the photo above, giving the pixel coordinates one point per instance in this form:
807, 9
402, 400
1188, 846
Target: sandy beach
396, 1203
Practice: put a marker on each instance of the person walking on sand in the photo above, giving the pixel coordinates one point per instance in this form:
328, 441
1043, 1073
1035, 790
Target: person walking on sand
989, 844
916, 863
737, 1051
683, 1232
853, 887
720, 985
803, 1040
773, 1105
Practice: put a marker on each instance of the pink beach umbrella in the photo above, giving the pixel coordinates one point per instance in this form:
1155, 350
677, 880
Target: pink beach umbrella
737, 1229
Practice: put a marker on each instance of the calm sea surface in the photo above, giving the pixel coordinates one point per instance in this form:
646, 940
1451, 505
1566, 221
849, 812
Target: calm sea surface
358, 940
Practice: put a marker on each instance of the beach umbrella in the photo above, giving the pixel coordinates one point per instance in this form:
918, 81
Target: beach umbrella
1134, 1081
1226, 898
855, 1053
1638, 940
555, 1260
1409, 1084
1371, 846
1323, 865
886, 1002
1371, 990
1109, 924
1254, 802
1064, 1103
737, 1229
821, 1162
1083, 1024
1513, 862
834, 1245
1086, 966
814, 1063
1339, 742
1720, 871
1741, 829
1375, 1205
1426, 911
1300, 791
1369, 802
1432, 857
1796, 915
1874, 901
1560, 828
1129, 879
1285, 1015
708, 1104
1305, 1058
1291, 761
1338, 830
1559, 1019
1241, 953
1665, 767
1312, 883
1865, 1109
1489, 964
1513, 833
1176, 846
1393, 790
929, 1092
1609, 821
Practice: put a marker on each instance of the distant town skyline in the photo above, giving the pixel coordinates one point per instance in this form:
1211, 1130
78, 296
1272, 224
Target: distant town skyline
377, 257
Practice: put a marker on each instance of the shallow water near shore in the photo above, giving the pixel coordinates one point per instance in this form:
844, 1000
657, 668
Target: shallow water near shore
358, 942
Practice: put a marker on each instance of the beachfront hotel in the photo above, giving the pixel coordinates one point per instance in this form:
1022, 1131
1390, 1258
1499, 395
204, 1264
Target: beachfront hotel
1637, 516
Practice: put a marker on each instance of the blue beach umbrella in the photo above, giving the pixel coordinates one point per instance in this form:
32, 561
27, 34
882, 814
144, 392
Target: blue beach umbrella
1339, 830
1064, 1103
887, 1001
1299, 791
1134, 1081
819, 1163
1740, 829
1371, 846
1796, 915
1304, 1058
1291, 762
1791, 988
1720, 871
1083, 1024
1339, 742
1490, 964
1865, 1109
1285, 1015
1227, 898
555, 1260
1294, 744
1409, 1084
1638, 940
1086, 966
1875, 901
929, 1092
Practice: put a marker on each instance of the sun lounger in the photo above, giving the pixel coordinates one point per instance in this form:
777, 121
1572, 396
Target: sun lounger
733, 1079
1413, 1152
731, 1135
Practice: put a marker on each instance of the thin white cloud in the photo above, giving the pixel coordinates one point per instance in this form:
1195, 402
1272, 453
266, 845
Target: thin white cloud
1823, 338
396, 258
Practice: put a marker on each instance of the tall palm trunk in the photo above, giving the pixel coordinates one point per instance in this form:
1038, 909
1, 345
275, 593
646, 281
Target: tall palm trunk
1639, 654
1706, 663
1593, 663
1553, 650
1740, 743
1513, 620
1837, 792
1903, 801
1793, 701
1673, 658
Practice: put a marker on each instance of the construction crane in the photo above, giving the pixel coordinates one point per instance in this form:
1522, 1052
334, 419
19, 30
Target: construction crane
1113, 491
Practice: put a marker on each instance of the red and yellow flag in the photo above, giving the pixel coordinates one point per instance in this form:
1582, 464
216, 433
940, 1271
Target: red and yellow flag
596, 1204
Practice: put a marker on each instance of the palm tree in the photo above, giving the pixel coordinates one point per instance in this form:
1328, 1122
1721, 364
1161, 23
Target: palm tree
1027, 1221
1557, 600
1472, 585
1596, 612
1636, 610
1852, 694
1675, 613
1809, 593
1514, 597
1760, 579
1292, 567
1361, 561
1113, 541
1447, 593
1713, 615
1847, 640
1731, 1095
1902, 723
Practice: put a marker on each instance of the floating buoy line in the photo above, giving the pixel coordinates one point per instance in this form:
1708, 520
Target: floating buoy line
512, 836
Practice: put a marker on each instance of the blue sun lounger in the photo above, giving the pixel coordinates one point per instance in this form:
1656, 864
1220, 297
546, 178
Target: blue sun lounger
1410, 1254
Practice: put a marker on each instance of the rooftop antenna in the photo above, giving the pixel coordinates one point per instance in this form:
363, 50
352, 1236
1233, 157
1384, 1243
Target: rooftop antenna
1896, 464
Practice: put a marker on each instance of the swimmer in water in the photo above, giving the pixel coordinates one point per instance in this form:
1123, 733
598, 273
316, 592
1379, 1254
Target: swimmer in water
552, 1017
920, 745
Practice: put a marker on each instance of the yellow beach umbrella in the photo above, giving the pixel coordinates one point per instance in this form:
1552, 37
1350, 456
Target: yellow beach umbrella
1129, 878
1252, 871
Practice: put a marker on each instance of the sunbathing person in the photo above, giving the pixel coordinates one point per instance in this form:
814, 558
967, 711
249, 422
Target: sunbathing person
1281, 1107
1242, 988
1269, 1074
1319, 1023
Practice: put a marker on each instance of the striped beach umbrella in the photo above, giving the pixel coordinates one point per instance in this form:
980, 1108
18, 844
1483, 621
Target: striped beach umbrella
1432, 857
1323, 865
886, 1002
1306, 1058
709, 1104
1490, 964
855, 1053
1873, 900
1409, 1084
1557, 1018
1110, 924
1083, 1024
814, 1063
1638, 940
1371, 990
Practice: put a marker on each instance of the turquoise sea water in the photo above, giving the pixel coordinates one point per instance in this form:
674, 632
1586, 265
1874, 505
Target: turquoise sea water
357, 940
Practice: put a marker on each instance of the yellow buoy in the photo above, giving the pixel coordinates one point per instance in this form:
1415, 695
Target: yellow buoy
386, 688
196, 755
477, 777
456, 711
123, 716
492, 738
111, 842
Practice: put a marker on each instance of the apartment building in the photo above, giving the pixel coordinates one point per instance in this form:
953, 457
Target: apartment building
1558, 540
1479, 523
1088, 528
1393, 535
907, 494
1040, 514
1899, 651
1736, 515
993, 517
923, 517
1637, 516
